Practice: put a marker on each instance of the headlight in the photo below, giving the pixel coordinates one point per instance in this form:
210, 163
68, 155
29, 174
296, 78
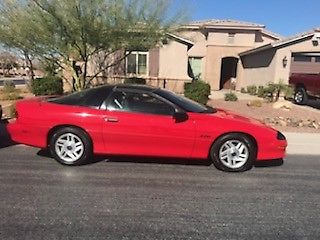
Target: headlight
280, 136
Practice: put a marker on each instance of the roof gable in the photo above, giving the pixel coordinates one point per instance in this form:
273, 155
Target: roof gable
283, 42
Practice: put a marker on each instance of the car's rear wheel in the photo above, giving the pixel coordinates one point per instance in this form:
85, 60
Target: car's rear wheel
71, 146
300, 96
233, 153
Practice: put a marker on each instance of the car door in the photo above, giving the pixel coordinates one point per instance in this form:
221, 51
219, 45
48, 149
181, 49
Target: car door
139, 123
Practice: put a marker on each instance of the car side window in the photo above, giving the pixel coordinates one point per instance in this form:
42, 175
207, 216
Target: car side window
138, 102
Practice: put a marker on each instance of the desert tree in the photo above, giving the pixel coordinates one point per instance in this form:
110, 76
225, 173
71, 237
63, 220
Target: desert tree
65, 32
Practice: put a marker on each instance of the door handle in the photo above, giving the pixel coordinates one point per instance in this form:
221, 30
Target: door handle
112, 119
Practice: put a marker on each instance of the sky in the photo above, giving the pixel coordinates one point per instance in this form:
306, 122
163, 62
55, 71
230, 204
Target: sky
284, 17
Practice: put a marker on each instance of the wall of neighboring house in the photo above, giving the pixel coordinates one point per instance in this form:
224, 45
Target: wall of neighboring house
173, 61
260, 68
263, 39
173, 66
220, 45
305, 46
199, 49
154, 61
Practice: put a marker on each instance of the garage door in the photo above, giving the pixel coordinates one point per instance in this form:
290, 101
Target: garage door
305, 63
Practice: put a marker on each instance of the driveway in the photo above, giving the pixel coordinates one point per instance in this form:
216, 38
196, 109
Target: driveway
152, 199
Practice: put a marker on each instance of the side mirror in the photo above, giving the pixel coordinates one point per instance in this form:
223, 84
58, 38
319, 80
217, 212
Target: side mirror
180, 116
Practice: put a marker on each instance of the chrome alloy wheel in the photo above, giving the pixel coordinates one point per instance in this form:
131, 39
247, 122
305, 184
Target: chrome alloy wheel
298, 97
234, 154
69, 147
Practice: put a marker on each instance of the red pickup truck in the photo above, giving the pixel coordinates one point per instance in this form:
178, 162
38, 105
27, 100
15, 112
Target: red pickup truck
305, 85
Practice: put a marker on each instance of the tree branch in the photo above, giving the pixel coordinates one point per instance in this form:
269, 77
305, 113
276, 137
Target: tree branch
109, 66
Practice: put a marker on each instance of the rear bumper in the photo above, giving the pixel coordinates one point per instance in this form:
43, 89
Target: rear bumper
26, 134
273, 150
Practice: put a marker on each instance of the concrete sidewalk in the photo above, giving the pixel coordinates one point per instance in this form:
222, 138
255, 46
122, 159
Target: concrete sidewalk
303, 143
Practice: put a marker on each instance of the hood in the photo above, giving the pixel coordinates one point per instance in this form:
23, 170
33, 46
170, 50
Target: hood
236, 117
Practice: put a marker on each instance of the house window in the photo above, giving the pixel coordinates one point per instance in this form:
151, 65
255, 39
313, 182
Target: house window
302, 59
196, 67
318, 59
231, 38
137, 63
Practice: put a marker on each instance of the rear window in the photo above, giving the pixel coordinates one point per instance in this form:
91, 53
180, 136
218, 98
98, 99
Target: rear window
92, 98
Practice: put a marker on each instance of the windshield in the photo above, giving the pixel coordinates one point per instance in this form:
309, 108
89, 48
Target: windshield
184, 103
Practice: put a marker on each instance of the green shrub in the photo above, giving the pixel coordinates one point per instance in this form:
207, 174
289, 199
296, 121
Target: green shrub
8, 86
289, 92
243, 90
252, 90
230, 97
278, 89
135, 80
50, 85
260, 91
198, 91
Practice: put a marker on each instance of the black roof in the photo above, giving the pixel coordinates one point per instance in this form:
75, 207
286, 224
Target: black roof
144, 88
138, 87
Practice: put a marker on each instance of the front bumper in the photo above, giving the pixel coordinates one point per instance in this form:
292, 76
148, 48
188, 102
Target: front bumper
272, 150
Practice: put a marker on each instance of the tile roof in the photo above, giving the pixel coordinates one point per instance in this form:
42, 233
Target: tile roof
181, 38
296, 37
272, 34
225, 22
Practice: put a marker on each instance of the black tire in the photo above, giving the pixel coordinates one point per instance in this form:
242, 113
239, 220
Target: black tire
300, 96
233, 137
82, 139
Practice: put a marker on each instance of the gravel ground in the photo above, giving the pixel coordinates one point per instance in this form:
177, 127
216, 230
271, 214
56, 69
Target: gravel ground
311, 112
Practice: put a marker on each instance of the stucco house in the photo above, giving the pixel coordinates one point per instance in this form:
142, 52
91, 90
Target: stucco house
222, 52
226, 54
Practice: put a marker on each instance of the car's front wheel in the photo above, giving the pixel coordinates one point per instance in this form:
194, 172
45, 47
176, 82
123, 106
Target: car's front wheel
233, 153
71, 146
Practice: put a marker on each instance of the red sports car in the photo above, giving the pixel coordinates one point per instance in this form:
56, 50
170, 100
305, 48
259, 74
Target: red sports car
142, 121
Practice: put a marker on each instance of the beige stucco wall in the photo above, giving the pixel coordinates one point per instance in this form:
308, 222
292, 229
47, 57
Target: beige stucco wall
304, 46
263, 67
265, 40
259, 68
240, 38
219, 48
212, 46
199, 49
173, 61
215, 54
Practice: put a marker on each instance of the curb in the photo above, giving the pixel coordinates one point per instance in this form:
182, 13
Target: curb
303, 143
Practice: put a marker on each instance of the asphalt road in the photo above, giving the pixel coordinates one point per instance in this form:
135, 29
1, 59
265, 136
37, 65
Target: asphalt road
153, 199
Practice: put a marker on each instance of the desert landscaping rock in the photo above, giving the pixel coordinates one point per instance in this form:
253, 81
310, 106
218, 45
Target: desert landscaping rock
298, 119
291, 122
285, 105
